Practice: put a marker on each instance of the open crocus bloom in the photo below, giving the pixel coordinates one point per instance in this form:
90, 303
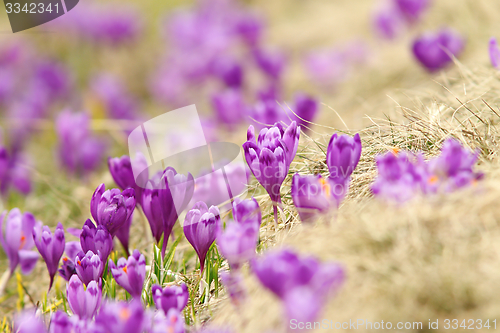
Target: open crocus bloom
269, 157
130, 273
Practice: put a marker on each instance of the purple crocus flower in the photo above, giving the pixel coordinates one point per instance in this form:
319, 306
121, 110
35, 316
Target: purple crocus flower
50, 246
342, 157
78, 150
96, 239
302, 304
170, 297
401, 175
388, 21
112, 208
16, 231
14, 172
52, 77
267, 111
174, 197
434, 50
130, 273
200, 227
237, 243
494, 51
250, 26
453, 168
412, 10
247, 212
283, 270
229, 107
271, 62
151, 205
62, 323
89, 267
306, 108
28, 322
166, 195
229, 71
118, 102
270, 157
311, 195
84, 302
67, 269
119, 317
172, 322
122, 170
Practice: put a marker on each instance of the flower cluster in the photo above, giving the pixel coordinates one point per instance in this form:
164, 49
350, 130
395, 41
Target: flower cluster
222, 41
403, 175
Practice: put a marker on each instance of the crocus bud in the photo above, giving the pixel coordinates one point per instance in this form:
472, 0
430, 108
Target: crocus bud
200, 227
175, 196
89, 267
237, 243
269, 157
84, 302
16, 231
118, 317
342, 157
50, 246
122, 170
130, 273
96, 239
311, 196
112, 208
171, 297
494, 51
434, 50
